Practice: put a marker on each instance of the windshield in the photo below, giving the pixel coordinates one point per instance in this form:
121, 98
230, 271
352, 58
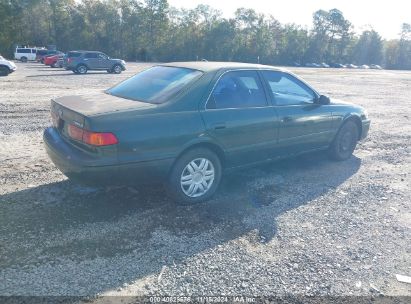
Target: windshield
155, 85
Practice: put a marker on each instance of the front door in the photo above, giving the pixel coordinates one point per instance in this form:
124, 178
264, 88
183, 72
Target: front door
239, 117
103, 62
304, 124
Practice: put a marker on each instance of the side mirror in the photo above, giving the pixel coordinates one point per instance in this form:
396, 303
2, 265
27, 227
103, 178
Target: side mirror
324, 100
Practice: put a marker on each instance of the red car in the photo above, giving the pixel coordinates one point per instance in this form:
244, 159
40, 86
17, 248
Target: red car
53, 60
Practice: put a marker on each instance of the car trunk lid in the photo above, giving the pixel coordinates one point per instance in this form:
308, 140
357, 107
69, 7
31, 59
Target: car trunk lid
75, 110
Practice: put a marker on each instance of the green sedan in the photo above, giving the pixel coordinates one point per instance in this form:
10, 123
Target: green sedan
185, 123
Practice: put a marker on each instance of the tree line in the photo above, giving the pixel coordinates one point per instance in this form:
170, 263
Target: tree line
152, 30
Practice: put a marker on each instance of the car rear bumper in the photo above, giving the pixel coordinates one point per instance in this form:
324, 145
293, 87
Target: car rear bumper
365, 128
95, 170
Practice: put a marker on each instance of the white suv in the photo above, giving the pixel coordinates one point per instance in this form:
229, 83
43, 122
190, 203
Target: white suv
25, 54
6, 67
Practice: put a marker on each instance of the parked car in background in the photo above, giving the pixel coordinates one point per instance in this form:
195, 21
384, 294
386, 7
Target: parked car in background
364, 67
82, 61
184, 123
375, 67
324, 65
352, 66
60, 62
6, 66
337, 65
313, 65
42, 54
52, 61
67, 60
25, 54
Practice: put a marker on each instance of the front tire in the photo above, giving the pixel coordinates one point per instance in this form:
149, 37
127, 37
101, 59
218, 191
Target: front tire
195, 176
117, 69
345, 141
23, 59
4, 71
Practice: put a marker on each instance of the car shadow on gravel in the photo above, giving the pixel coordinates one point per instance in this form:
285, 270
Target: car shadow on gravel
61, 224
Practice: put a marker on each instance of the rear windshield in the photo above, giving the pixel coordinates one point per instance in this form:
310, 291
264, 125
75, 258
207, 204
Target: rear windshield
155, 85
41, 52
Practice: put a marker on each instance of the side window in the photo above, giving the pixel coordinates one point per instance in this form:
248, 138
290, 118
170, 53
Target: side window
238, 89
91, 55
23, 51
288, 90
102, 56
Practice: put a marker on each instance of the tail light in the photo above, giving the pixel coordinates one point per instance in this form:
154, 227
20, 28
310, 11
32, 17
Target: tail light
92, 138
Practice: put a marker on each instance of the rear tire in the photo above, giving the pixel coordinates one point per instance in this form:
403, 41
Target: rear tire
345, 141
23, 59
195, 176
81, 69
4, 71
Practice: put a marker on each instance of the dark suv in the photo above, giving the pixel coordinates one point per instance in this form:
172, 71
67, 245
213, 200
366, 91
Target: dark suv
81, 61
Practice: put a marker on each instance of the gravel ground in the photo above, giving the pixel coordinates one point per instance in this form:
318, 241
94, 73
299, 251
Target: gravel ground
305, 226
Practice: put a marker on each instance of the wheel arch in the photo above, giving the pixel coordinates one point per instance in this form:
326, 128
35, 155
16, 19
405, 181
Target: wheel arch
5, 66
354, 118
205, 144
82, 63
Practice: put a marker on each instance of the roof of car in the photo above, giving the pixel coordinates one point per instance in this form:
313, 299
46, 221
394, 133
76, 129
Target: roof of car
208, 66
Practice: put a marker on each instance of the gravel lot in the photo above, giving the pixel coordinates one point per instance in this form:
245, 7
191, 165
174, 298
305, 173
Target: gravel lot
305, 226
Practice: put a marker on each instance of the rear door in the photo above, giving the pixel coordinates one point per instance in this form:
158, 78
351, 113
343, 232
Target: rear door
239, 117
304, 124
91, 60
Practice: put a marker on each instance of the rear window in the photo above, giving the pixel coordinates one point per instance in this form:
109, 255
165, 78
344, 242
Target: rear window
155, 85
91, 55
73, 54
41, 52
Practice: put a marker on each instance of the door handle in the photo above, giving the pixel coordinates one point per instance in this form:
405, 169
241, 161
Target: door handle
287, 119
219, 126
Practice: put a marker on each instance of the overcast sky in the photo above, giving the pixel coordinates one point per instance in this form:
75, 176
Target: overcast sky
385, 17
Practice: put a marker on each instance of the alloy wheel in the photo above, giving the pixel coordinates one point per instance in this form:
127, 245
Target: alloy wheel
346, 142
82, 69
197, 177
117, 69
